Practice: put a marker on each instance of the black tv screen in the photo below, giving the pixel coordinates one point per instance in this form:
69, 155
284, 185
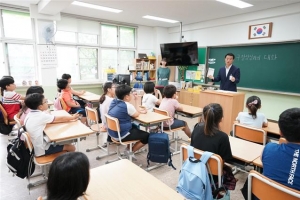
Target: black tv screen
121, 79
180, 54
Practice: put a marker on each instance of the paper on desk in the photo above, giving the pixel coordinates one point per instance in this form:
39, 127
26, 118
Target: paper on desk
210, 72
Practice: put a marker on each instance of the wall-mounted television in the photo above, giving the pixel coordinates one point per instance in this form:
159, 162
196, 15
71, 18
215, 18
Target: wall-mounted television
180, 54
121, 79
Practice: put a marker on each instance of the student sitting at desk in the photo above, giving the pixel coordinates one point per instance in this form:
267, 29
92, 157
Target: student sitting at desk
149, 100
123, 110
69, 177
72, 105
207, 136
36, 121
281, 161
252, 117
24, 111
170, 104
10, 100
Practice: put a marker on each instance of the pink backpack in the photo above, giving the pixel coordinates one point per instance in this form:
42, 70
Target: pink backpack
56, 103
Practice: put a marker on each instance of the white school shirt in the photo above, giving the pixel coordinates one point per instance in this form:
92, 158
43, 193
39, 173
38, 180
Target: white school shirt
246, 119
103, 108
35, 123
149, 101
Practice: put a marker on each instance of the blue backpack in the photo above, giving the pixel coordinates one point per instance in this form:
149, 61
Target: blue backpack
194, 183
138, 85
159, 149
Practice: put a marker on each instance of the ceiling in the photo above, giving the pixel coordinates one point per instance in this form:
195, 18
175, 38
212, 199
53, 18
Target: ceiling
185, 11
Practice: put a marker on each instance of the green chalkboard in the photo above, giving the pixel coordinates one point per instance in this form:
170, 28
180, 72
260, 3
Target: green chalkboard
273, 67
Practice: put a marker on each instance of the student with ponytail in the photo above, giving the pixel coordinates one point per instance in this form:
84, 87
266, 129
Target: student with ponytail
252, 117
207, 135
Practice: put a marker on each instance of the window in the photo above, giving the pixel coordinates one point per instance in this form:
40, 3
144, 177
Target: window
21, 62
87, 38
17, 24
2, 66
67, 62
126, 59
127, 37
88, 63
109, 35
65, 36
109, 59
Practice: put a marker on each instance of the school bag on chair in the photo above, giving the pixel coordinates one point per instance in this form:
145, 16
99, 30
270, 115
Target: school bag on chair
194, 183
159, 149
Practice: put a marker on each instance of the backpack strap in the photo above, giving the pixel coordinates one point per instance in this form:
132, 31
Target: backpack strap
170, 161
205, 156
190, 151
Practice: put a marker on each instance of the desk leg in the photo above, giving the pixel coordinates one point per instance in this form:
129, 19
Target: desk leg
78, 145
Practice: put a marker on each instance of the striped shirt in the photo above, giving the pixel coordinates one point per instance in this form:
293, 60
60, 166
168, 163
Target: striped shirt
11, 103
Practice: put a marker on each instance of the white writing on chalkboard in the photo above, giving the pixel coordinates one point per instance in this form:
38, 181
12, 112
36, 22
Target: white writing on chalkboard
252, 57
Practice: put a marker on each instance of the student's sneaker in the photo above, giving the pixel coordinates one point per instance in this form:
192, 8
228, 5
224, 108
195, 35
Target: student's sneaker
127, 153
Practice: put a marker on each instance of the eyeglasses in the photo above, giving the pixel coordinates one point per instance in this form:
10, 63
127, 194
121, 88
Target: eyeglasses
46, 101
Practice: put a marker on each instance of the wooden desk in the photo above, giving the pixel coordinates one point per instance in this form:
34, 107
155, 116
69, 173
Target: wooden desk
190, 111
59, 132
89, 96
272, 128
244, 150
257, 162
124, 180
151, 118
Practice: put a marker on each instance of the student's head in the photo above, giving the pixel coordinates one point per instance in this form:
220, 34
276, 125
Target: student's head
213, 114
108, 88
149, 87
67, 77
7, 76
229, 58
63, 84
289, 124
7, 83
169, 91
34, 89
36, 101
68, 176
253, 104
123, 92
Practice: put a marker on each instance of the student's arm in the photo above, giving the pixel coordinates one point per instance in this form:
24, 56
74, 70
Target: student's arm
22, 97
265, 123
59, 119
74, 92
177, 105
158, 94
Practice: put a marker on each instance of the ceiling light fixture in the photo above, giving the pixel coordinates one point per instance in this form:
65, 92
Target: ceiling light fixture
78, 3
160, 19
236, 3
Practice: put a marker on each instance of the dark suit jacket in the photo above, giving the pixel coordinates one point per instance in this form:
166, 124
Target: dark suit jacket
227, 84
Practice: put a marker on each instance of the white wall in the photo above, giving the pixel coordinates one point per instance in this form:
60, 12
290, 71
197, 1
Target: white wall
234, 31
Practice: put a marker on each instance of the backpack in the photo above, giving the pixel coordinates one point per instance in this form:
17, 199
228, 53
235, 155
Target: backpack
19, 159
194, 182
138, 85
4, 128
159, 149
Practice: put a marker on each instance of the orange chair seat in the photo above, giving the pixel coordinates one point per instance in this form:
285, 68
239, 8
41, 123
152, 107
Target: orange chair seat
48, 158
94, 127
127, 142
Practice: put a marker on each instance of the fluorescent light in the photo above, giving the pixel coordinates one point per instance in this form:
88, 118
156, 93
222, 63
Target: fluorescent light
78, 3
236, 3
160, 19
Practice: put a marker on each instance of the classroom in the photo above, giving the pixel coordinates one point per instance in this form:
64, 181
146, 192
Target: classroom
42, 39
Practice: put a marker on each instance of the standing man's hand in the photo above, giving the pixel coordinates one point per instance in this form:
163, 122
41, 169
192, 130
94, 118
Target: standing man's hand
232, 78
211, 77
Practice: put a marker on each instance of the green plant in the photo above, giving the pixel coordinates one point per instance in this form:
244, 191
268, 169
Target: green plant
181, 70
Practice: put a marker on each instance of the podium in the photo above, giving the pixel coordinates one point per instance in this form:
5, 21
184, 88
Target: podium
231, 102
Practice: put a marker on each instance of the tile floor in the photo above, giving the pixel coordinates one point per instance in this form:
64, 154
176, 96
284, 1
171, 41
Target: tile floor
16, 188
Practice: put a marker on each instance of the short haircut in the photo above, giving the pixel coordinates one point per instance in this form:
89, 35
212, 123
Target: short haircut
62, 83
213, 114
68, 176
7, 76
230, 54
66, 76
33, 101
169, 91
253, 103
5, 81
149, 87
289, 124
34, 89
122, 91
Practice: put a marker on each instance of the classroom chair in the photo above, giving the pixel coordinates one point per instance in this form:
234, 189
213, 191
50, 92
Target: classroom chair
17, 120
42, 161
93, 123
113, 124
174, 132
5, 117
249, 133
265, 188
215, 162
63, 104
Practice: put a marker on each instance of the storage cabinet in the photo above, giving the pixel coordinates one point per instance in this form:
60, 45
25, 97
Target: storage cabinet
189, 98
145, 68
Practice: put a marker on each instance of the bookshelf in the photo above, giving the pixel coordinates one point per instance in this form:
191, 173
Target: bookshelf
145, 68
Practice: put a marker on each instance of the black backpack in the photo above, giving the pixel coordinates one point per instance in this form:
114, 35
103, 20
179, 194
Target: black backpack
4, 128
19, 158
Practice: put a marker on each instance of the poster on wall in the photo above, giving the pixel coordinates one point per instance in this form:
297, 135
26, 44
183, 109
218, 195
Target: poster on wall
48, 56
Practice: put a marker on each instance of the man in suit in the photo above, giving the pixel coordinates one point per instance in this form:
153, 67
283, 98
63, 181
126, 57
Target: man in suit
228, 75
